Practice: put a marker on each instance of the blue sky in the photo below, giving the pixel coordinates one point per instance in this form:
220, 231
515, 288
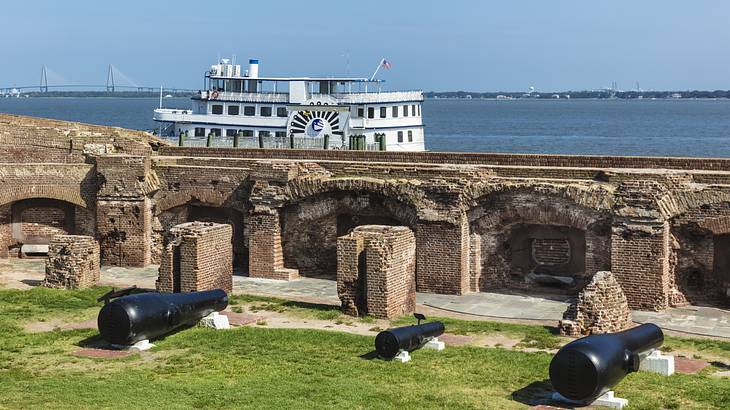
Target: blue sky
433, 45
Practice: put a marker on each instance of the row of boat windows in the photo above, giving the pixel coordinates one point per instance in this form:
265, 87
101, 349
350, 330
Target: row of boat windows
396, 111
201, 132
249, 110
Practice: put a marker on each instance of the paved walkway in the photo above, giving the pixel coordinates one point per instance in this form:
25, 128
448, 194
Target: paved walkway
706, 321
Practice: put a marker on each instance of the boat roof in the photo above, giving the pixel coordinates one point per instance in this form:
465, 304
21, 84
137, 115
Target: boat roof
338, 79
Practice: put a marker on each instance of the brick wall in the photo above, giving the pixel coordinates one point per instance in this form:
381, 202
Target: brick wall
521, 160
42, 222
376, 271
266, 259
442, 257
197, 256
72, 263
5, 230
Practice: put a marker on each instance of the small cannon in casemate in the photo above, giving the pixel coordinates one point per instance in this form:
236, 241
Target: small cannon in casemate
585, 369
389, 343
135, 317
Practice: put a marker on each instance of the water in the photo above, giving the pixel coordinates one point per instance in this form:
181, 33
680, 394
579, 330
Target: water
611, 127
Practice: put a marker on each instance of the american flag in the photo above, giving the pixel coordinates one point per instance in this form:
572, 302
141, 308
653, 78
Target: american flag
386, 63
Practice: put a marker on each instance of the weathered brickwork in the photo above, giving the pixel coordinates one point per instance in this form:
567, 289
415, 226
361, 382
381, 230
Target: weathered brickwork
197, 256
601, 307
72, 263
376, 271
537, 223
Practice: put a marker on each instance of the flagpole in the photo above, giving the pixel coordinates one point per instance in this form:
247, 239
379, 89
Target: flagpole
380, 64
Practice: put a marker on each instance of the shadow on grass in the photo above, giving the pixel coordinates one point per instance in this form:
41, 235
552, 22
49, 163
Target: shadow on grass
97, 342
31, 282
312, 306
537, 393
370, 355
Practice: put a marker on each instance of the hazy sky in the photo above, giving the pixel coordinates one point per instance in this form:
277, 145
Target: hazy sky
432, 45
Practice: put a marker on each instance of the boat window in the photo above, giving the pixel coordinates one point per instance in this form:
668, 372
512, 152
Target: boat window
247, 133
231, 133
280, 134
419, 110
383, 111
199, 132
371, 112
400, 135
360, 112
216, 131
395, 111
233, 109
234, 86
405, 110
249, 110
264, 133
281, 112
266, 111
217, 109
216, 85
410, 136
413, 110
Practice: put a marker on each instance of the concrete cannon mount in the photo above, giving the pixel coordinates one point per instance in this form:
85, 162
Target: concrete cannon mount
481, 222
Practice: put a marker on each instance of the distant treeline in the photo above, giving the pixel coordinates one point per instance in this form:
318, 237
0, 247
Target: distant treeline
122, 94
582, 94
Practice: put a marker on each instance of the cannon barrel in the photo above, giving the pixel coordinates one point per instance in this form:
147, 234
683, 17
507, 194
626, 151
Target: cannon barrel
586, 368
389, 342
133, 318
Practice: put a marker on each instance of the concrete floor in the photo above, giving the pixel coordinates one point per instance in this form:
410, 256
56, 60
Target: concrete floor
706, 321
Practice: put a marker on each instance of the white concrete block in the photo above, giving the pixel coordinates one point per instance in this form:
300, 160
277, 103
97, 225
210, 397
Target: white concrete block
215, 321
403, 356
610, 401
607, 400
656, 362
435, 344
140, 346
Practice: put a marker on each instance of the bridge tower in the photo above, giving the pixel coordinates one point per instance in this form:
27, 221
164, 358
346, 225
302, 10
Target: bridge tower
44, 80
110, 79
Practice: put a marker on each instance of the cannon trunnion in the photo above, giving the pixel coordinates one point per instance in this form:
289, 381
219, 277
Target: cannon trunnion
130, 319
586, 368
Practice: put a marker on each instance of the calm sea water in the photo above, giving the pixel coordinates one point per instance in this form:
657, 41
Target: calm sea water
614, 127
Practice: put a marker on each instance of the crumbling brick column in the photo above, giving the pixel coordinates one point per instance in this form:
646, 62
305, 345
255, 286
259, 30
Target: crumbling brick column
640, 262
73, 262
266, 258
475, 262
123, 215
442, 257
601, 307
197, 256
5, 230
376, 271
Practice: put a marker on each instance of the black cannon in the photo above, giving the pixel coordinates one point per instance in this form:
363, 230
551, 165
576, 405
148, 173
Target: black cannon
586, 368
389, 342
130, 319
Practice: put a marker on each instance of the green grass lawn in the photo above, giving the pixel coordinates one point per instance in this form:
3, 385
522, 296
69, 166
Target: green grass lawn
258, 367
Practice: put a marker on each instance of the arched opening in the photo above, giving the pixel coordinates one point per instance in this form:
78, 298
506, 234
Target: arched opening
27, 226
204, 213
700, 264
310, 227
529, 241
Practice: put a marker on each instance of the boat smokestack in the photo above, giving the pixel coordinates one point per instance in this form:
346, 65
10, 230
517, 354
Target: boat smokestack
253, 68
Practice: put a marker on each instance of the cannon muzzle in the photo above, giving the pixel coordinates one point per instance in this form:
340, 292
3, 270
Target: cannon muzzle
586, 368
132, 318
389, 342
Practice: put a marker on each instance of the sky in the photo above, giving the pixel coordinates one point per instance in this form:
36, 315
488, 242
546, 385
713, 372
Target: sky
487, 45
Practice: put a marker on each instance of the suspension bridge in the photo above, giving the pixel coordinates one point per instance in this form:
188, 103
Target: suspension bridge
111, 86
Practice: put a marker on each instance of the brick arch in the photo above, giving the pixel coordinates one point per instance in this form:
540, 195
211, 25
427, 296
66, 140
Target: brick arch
507, 216
212, 198
314, 217
679, 203
405, 194
60, 193
589, 196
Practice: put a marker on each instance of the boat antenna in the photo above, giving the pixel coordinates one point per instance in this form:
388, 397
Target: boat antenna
380, 64
160, 95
